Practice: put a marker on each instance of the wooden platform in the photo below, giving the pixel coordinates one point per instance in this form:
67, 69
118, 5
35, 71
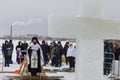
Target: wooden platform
36, 77
6, 71
117, 79
24, 69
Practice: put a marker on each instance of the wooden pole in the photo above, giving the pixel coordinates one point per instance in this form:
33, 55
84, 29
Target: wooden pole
11, 32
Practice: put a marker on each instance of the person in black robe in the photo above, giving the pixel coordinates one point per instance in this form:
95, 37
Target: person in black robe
35, 57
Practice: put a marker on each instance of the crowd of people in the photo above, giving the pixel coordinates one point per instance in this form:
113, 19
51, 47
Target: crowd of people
111, 52
52, 52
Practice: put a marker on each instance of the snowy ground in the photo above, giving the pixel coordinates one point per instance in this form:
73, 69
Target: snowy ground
15, 66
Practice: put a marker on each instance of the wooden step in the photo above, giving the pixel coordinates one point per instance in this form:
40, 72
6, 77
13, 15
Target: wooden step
36, 77
6, 71
117, 79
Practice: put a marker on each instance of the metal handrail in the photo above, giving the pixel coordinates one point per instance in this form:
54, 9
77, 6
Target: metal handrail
111, 54
111, 68
2, 61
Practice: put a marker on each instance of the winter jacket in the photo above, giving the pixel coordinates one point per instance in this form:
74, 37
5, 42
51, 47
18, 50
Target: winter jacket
6, 49
71, 52
59, 50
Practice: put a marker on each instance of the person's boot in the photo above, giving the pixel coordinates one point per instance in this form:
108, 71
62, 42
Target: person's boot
8, 65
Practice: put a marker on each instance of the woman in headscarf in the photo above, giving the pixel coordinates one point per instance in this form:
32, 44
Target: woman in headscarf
19, 54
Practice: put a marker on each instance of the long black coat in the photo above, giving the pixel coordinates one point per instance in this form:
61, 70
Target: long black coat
45, 51
59, 50
5, 49
117, 54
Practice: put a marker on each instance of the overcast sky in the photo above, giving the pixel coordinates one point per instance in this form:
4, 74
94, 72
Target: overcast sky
31, 16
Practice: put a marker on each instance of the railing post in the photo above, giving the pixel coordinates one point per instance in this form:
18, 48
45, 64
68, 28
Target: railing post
118, 66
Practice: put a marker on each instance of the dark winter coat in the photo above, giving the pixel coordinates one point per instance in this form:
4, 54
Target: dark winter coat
117, 54
5, 49
45, 50
59, 50
65, 49
25, 46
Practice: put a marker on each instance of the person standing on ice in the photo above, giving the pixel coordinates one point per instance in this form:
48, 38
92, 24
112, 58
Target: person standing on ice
58, 54
53, 57
19, 58
45, 52
71, 56
24, 48
11, 51
5, 50
35, 57
65, 51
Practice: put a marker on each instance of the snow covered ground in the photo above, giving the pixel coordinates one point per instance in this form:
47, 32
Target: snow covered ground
15, 66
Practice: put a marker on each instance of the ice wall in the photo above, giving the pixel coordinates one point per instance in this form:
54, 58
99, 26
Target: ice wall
90, 33
90, 29
83, 27
111, 9
90, 8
